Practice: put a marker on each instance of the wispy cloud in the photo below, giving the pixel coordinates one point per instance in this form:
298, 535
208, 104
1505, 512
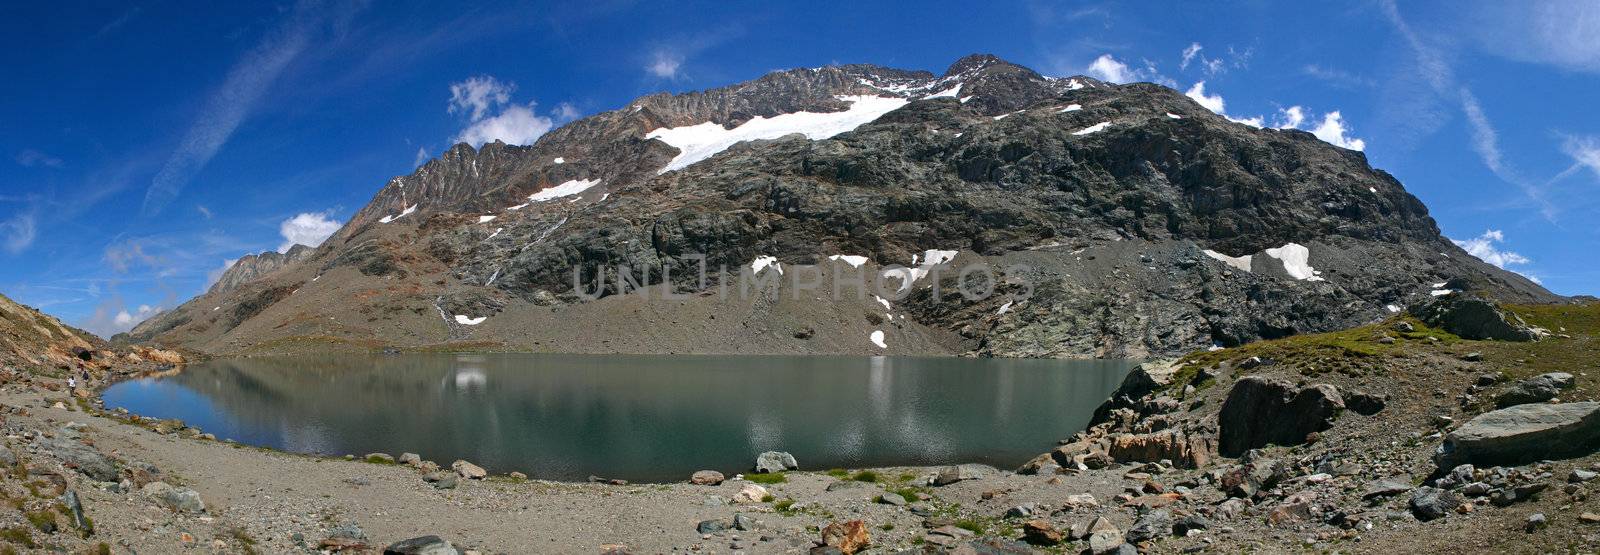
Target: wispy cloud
18, 232
476, 96
1585, 153
1439, 76
228, 106
1560, 33
201, 208
307, 228
29, 158
1336, 77
422, 156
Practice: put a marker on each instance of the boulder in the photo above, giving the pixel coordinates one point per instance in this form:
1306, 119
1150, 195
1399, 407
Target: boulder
412, 459
775, 461
1433, 503
952, 474
712, 526
1153, 525
751, 493
441, 479
1041, 532
1189, 450
182, 500
424, 545
1105, 542
380, 458
706, 478
1474, 318
74, 454
1260, 411
468, 470
848, 537
1523, 433
1537, 389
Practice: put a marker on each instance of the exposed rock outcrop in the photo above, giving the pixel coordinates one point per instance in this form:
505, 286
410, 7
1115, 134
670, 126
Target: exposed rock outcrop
1261, 411
1474, 318
1523, 433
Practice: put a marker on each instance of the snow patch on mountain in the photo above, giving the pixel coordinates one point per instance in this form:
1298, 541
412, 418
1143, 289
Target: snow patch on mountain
701, 141
566, 189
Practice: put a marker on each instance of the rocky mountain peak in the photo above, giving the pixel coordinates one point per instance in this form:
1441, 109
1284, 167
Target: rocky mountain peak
987, 63
253, 266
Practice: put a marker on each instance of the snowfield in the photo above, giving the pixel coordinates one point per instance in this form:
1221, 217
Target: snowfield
702, 141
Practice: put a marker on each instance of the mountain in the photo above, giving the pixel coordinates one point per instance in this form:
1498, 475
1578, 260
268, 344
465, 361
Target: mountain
251, 267
1116, 221
30, 337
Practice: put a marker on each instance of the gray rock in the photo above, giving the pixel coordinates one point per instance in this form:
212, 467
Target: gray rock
425, 545
712, 526
1523, 433
745, 523
1105, 542
348, 531
413, 459
7, 457
1152, 525
892, 498
1189, 524
1023, 510
1475, 489
775, 461
1581, 475
83, 458
952, 474
1473, 318
1260, 411
442, 479
1536, 522
1537, 389
183, 500
1433, 503
75, 510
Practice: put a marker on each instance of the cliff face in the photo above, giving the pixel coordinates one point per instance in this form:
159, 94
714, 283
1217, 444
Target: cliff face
1120, 220
32, 337
253, 266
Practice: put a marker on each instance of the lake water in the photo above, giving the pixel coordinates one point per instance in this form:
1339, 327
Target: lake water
641, 418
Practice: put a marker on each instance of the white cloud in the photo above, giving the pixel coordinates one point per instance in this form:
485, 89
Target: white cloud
307, 228
1189, 54
1198, 93
1332, 131
422, 156
664, 64
1107, 68
1483, 247
18, 232
125, 320
1257, 122
478, 95
565, 112
1290, 118
228, 106
1585, 153
517, 125
30, 158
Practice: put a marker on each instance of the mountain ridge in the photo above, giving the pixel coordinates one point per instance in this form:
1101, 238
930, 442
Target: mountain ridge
1132, 205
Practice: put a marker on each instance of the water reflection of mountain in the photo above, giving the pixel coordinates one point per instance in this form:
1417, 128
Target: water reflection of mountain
649, 417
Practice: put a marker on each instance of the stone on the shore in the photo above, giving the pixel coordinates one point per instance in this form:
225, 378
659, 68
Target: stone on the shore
468, 470
517, 476
1260, 411
848, 537
1473, 318
1580, 475
1523, 433
952, 474
712, 526
775, 461
425, 545
1187, 450
706, 478
1429, 503
1537, 389
182, 500
381, 458
750, 493
1041, 532
412, 459
441, 479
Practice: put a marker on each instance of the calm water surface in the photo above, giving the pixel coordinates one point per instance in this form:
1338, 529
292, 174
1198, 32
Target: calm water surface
642, 418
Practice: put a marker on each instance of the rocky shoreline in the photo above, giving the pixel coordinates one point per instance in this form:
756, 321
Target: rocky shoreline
1382, 438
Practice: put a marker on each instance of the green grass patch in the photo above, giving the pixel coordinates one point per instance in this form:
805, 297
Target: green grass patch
45, 520
867, 476
18, 535
773, 478
784, 507
973, 525
839, 473
374, 459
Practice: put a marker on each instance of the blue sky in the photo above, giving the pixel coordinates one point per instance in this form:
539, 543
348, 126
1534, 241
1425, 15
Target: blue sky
147, 144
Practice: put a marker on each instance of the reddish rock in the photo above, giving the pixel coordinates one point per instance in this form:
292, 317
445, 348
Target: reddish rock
848, 537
